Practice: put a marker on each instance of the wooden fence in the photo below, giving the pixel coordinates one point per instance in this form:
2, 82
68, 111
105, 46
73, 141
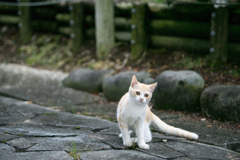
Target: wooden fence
189, 27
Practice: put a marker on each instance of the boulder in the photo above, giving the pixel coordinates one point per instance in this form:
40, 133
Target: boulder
116, 86
178, 90
221, 102
87, 80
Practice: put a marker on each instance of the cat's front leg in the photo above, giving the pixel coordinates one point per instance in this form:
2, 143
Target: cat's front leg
140, 134
125, 134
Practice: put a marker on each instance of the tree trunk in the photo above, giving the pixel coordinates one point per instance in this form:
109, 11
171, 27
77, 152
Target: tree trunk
139, 37
76, 22
104, 18
25, 23
219, 36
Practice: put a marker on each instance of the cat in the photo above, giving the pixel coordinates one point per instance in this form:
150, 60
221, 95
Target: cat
133, 110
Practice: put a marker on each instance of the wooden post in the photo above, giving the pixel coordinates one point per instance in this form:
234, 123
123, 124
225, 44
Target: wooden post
219, 36
138, 27
76, 23
104, 18
25, 24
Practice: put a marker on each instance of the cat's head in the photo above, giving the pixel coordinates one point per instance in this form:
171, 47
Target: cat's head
141, 93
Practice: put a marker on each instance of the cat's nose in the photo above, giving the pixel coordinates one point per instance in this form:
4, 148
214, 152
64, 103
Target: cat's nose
141, 99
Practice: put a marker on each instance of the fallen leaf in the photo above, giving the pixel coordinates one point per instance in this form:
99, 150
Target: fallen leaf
209, 125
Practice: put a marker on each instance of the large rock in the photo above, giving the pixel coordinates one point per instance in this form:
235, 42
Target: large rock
221, 102
116, 86
178, 90
88, 80
40, 86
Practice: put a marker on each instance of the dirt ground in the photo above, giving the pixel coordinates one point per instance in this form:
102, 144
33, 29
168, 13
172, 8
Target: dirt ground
59, 57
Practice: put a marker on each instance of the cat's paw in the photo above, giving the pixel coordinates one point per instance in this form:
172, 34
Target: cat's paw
120, 136
127, 143
143, 146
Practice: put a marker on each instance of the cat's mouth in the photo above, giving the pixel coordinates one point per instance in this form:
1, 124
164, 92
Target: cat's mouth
141, 102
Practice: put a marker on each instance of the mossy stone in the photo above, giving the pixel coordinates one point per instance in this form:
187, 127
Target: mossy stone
221, 102
178, 90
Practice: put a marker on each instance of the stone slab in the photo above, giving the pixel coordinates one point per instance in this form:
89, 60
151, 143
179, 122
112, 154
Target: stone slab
49, 155
40, 86
209, 132
201, 151
117, 154
67, 119
15, 111
160, 150
5, 137
112, 140
27, 129
6, 148
96, 109
82, 142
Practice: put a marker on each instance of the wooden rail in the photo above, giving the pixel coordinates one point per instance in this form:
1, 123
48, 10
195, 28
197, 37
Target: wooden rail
193, 28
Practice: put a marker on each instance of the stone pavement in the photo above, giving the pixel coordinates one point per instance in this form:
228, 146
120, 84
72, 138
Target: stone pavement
32, 128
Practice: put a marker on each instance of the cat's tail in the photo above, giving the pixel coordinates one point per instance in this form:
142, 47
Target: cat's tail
172, 130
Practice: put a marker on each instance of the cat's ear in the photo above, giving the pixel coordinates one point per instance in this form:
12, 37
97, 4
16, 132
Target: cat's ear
153, 86
134, 81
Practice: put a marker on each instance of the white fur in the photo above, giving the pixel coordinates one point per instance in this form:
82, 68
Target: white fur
134, 111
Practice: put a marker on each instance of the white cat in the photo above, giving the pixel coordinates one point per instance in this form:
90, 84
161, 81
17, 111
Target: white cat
133, 110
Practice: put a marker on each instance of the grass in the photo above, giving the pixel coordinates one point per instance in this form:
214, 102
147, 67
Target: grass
77, 128
4, 141
73, 152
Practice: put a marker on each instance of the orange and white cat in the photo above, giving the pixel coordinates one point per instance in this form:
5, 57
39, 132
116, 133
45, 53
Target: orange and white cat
133, 110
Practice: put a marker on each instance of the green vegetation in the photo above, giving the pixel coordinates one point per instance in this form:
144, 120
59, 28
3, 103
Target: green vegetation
190, 62
51, 51
77, 128
73, 152
4, 141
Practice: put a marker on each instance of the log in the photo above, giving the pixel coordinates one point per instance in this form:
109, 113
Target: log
65, 30
123, 9
9, 20
123, 36
139, 37
234, 33
180, 28
44, 26
234, 14
9, 10
104, 18
175, 43
234, 51
63, 19
76, 22
44, 13
219, 36
181, 12
122, 23
25, 23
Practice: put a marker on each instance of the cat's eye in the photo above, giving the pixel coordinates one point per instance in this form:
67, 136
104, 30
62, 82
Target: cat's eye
137, 93
145, 95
